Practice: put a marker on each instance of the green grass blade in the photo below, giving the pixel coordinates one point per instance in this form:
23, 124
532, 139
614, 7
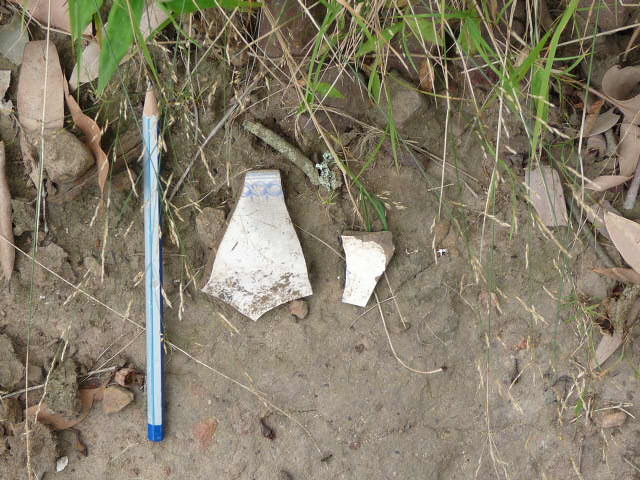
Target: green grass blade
324, 89
190, 6
118, 37
80, 14
541, 77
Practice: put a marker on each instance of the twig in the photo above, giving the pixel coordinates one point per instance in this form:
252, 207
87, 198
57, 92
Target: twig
233, 106
632, 193
290, 152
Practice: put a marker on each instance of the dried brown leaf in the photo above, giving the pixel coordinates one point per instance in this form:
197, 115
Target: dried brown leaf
625, 235
40, 98
127, 377
607, 347
59, 19
620, 84
629, 148
597, 145
92, 134
592, 115
7, 252
5, 81
547, 196
605, 182
60, 422
88, 68
13, 38
426, 75
626, 275
601, 123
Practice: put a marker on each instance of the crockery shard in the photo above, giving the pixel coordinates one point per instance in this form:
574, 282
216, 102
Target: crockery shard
259, 264
367, 256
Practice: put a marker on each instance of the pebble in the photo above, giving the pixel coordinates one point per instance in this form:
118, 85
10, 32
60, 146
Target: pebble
116, 398
10, 410
284, 475
299, 309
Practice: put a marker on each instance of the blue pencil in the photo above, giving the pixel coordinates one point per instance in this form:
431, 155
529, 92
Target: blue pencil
153, 269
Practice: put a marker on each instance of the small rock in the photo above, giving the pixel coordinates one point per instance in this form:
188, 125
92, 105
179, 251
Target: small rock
440, 231
53, 256
291, 20
359, 348
62, 389
66, 158
284, 475
406, 100
209, 224
43, 452
11, 369
23, 215
35, 375
612, 419
10, 410
299, 309
115, 398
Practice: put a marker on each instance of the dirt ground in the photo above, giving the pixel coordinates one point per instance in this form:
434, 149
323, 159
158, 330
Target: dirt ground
323, 397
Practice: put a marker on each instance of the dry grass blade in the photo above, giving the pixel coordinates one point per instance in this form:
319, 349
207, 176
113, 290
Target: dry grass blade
625, 275
30, 95
625, 235
93, 136
7, 252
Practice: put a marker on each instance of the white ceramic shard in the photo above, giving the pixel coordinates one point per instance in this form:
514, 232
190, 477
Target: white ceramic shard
367, 256
259, 264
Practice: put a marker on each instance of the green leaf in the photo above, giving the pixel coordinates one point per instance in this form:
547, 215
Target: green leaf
470, 37
80, 14
118, 37
424, 29
324, 89
375, 86
541, 78
190, 6
373, 43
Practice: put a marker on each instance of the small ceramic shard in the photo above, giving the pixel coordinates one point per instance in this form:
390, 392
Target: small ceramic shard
259, 264
546, 194
367, 256
62, 463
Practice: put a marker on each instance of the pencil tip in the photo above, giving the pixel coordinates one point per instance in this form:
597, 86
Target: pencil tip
150, 104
